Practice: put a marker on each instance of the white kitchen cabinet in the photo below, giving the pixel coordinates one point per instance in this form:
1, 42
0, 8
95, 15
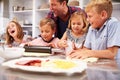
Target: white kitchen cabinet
29, 13
4, 15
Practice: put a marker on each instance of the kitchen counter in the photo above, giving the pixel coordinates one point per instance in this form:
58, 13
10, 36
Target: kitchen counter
103, 69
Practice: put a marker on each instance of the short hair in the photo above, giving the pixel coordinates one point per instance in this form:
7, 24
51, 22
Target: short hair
62, 1
20, 34
100, 5
84, 18
48, 21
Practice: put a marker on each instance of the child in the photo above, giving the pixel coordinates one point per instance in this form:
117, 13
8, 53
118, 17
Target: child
47, 28
75, 34
102, 40
15, 35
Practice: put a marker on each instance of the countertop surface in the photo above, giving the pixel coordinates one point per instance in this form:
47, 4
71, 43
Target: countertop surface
103, 69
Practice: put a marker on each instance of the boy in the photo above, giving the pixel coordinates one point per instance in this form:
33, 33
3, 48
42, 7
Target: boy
103, 40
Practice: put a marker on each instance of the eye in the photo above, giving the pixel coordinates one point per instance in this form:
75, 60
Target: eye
73, 23
78, 23
41, 31
47, 31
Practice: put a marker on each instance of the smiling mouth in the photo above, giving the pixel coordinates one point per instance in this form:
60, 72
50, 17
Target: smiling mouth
12, 31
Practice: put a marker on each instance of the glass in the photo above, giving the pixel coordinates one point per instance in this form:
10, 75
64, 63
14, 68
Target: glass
69, 48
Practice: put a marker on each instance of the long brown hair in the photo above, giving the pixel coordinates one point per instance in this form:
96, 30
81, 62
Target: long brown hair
20, 34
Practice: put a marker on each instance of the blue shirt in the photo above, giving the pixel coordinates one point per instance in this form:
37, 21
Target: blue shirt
107, 36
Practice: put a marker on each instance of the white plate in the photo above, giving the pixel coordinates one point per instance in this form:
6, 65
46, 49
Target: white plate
36, 54
81, 66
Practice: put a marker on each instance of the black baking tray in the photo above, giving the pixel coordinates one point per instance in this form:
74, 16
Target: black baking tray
38, 49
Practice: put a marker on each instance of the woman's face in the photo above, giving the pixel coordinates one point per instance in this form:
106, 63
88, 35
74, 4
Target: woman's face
46, 32
56, 7
12, 29
77, 25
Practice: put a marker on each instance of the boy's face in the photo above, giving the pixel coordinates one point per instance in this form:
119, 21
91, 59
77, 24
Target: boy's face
95, 19
46, 32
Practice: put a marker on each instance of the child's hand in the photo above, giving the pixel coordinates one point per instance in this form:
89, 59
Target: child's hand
27, 43
51, 45
62, 44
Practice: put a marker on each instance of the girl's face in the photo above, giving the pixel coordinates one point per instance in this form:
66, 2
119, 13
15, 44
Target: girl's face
12, 29
77, 25
46, 32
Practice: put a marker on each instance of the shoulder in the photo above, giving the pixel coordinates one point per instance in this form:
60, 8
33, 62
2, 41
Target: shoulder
56, 39
68, 31
27, 38
50, 14
113, 23
73, 8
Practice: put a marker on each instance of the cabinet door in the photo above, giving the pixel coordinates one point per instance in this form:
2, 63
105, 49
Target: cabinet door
41, 11
22, 11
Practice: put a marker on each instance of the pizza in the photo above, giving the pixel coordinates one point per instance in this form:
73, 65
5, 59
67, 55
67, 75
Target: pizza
58, 64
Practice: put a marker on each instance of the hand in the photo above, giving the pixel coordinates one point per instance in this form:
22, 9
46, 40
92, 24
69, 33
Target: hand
62, 43
27, 44
51, 45
80, 54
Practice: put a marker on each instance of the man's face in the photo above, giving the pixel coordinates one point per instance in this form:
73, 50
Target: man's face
56, 7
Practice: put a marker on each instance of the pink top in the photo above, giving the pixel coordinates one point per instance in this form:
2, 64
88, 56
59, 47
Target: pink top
40, 42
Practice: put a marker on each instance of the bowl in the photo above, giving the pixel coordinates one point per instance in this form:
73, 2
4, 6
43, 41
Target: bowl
10, 53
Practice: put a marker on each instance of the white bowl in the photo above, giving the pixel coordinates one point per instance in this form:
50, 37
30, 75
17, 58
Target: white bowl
10, 53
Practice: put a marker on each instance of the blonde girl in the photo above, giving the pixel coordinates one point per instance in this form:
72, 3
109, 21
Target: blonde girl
75, 34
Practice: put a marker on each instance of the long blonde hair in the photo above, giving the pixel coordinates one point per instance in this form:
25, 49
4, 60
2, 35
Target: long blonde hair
84, 18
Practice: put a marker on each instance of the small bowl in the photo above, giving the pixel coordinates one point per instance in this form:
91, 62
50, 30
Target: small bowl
10, 53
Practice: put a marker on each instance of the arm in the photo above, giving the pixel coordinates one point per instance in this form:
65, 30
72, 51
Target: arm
85, 53
62, 43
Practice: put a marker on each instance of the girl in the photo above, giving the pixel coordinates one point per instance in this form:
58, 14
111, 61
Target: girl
75, 34
15, 35
47, 28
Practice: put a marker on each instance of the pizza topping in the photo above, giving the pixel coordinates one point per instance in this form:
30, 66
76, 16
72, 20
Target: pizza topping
58, 64
29, 63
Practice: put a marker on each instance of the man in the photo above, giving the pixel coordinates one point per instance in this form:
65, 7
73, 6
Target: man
60, 13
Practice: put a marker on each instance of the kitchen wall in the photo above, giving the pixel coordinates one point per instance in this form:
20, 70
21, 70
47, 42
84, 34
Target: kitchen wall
4, 15
116, 10
4, 12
